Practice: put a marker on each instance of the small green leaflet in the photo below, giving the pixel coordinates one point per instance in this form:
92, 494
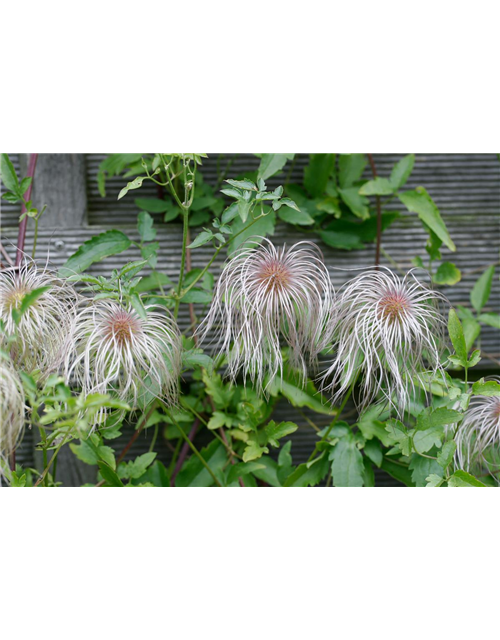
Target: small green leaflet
420, 202
491, 388
481, 290
457, 336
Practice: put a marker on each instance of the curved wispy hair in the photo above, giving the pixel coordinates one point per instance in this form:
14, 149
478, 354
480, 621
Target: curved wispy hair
116, 351
388, 331
42, 329
11, 408
266, 296
478, 435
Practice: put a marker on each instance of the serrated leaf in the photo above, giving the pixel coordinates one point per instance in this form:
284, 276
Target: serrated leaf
434, 480
96, 248
481, 290
295, 217
246, 185
253, 451
243, 468
347, 463
420, 202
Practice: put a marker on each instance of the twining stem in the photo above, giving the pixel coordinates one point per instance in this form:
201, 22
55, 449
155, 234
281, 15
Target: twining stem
335, 420
379, 213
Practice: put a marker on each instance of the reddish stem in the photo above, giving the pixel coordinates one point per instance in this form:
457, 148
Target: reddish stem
24, 222
379, 213
184, 452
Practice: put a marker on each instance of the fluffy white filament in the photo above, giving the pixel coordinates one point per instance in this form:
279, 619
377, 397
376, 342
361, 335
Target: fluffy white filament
114, 350
387, 330
11, 408
478, 435
266, 296
44, 326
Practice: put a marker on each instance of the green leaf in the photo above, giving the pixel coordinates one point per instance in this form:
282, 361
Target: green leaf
219, 419
376, 187
491, 388
399, 433
29, 299
357, 204
243, 468
491, 319
434, 480
136, 302
309, 474
263, 227
317, 173
268, 471
246, 185
135, 184
299, 397
230, 213
198, 296
457, 336
420, 202
288, 202
464, 479
153, 205
445, 455
109, 475
347, 463
201, 239
136, 468
253, 451
373, 450
96, 248
341, 240
244, 209
423, 441
220, 392
422, 468
398, 471
351, 167
401, 171
271, 163
8, 175
481, 290
295, 217
276, 431
194, 473
371, 427
145, 226
447, 273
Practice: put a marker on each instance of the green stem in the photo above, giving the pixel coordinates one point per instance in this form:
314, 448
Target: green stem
341, 408
171, 466
185, 231
196, 452
155, 436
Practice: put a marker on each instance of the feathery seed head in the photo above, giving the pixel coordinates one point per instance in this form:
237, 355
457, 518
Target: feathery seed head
265, 295
42, 329
386, 330
11, 408
114, 350
478, 435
